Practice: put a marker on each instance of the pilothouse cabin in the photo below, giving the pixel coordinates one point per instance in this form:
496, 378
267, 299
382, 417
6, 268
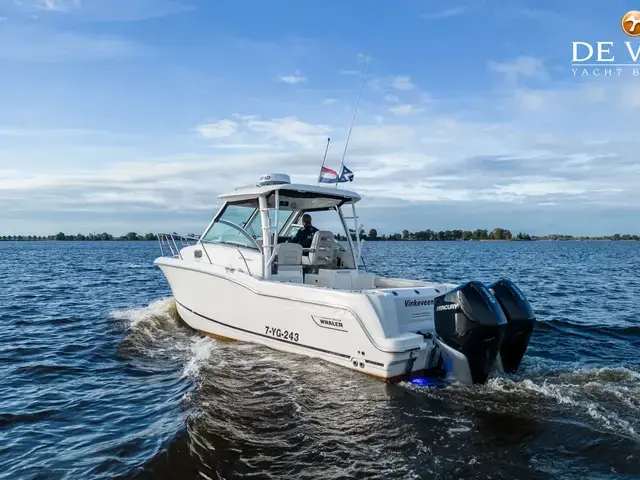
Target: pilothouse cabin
259, 223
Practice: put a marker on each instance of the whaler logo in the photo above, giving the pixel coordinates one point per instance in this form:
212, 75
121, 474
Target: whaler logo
417, 303
611, 59
448, 306
332, 323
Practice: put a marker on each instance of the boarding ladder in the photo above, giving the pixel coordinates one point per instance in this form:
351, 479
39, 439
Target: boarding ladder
356, 233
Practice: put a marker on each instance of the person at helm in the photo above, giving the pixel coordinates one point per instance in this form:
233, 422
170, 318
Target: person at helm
304, 236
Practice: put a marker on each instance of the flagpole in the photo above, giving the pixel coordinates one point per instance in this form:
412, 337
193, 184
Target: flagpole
346, 143
324, 158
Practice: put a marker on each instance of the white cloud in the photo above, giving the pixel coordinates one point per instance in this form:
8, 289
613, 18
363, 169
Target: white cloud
292, 79
291, 130
530, 99
221, 129
276, 133
406, 109
521, 67
57, 5
329, 101
402, 83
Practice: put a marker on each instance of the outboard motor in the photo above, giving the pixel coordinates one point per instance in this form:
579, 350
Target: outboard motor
470, 326
520, 319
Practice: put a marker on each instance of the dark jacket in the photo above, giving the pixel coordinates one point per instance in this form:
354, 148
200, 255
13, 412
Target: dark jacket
304, 236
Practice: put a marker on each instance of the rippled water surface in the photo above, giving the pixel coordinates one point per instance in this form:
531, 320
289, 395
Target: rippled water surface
101, 380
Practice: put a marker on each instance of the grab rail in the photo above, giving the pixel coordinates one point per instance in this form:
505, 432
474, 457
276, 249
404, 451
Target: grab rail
168, 240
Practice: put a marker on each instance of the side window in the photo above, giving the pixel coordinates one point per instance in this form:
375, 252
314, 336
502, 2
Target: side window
326, 220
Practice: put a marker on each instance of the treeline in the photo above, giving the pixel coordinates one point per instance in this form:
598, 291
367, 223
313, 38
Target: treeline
480, 234
80, 237
406, 235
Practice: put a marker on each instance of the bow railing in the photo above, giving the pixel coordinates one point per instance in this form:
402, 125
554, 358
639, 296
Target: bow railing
174, 242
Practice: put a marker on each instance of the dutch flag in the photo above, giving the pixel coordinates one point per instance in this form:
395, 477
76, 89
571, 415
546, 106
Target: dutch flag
327, 175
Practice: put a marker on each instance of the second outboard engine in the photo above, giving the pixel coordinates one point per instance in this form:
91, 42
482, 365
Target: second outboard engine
521, 320
470, 326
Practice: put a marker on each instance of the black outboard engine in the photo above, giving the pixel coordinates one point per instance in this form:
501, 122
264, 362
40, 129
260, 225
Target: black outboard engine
470, 326
520, 319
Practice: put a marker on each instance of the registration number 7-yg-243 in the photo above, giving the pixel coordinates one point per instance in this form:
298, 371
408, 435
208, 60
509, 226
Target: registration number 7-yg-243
284, 334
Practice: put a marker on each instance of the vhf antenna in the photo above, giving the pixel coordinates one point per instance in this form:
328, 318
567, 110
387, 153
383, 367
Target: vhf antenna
346, 144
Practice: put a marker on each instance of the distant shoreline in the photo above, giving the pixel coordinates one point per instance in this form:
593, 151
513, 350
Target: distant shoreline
496, 235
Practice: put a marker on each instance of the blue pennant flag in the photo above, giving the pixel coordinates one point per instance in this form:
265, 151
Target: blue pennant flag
346, 175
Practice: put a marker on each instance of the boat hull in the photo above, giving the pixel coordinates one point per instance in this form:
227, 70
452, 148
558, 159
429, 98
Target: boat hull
335, 326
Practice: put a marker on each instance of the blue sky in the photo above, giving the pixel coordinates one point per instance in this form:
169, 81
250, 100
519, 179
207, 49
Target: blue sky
120, 115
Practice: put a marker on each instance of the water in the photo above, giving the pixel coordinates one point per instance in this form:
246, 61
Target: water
101, 380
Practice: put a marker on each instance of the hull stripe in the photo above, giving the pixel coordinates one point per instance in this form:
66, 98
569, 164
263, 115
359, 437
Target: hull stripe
342, 355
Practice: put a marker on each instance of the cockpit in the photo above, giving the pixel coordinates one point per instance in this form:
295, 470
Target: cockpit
265, 218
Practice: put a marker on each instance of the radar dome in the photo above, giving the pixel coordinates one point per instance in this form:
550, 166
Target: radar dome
274, 179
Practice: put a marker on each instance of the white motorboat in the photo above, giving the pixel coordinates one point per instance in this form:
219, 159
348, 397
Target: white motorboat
242, 279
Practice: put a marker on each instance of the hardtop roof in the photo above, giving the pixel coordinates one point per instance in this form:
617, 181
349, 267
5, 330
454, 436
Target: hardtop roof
247, 193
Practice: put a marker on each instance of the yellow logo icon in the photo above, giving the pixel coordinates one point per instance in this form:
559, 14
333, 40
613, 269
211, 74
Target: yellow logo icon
631, 23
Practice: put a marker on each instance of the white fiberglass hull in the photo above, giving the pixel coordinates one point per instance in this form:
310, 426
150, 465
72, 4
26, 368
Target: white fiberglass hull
337, 326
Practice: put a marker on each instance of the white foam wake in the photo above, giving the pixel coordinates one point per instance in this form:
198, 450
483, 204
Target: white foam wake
604, 395
157, 331
160, 310
605, 399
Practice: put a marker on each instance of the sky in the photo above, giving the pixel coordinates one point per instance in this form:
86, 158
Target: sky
133, 115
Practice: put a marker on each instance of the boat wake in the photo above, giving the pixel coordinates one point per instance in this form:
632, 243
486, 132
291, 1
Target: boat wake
281, 404
156, 331
602, 399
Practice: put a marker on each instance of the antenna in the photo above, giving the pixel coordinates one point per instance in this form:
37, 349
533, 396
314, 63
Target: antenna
324, 158
346, 144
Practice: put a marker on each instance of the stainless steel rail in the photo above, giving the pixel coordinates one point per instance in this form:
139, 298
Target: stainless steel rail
170, 241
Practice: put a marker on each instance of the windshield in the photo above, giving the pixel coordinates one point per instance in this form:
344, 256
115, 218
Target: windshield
238, 214
241, 225
229, 229
224, 231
